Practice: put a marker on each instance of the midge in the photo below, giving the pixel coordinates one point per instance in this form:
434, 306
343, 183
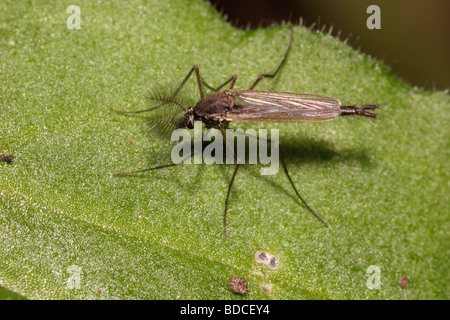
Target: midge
219, 109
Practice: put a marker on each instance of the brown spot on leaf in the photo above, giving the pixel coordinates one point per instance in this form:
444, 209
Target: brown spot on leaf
404, 282
238, 285
6, 158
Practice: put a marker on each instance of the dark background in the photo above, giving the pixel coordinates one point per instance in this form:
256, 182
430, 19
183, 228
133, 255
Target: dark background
413, 40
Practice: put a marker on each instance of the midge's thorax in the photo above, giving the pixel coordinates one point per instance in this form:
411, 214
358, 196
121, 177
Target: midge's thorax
211, 111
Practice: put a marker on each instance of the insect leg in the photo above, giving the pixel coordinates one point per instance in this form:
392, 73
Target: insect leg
232, 80
229, 185
199, 81
149, 169
226, 201
272, 75
159, 167
298, 194
277, 145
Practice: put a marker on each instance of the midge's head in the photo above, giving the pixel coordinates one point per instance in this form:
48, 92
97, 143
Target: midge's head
177, 111
209, 110
182, 112
189, 118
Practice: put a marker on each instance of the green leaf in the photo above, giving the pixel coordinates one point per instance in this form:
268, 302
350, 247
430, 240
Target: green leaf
6, 294
71, 230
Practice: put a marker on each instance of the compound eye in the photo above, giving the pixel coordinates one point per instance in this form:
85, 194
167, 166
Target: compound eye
190, 120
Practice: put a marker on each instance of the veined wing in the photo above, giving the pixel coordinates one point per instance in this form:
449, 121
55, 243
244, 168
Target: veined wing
273, 106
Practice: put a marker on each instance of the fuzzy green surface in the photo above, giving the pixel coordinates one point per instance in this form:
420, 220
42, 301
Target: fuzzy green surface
381, 185
6, 294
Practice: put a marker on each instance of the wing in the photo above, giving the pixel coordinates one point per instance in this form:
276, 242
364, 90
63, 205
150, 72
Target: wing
272, 106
